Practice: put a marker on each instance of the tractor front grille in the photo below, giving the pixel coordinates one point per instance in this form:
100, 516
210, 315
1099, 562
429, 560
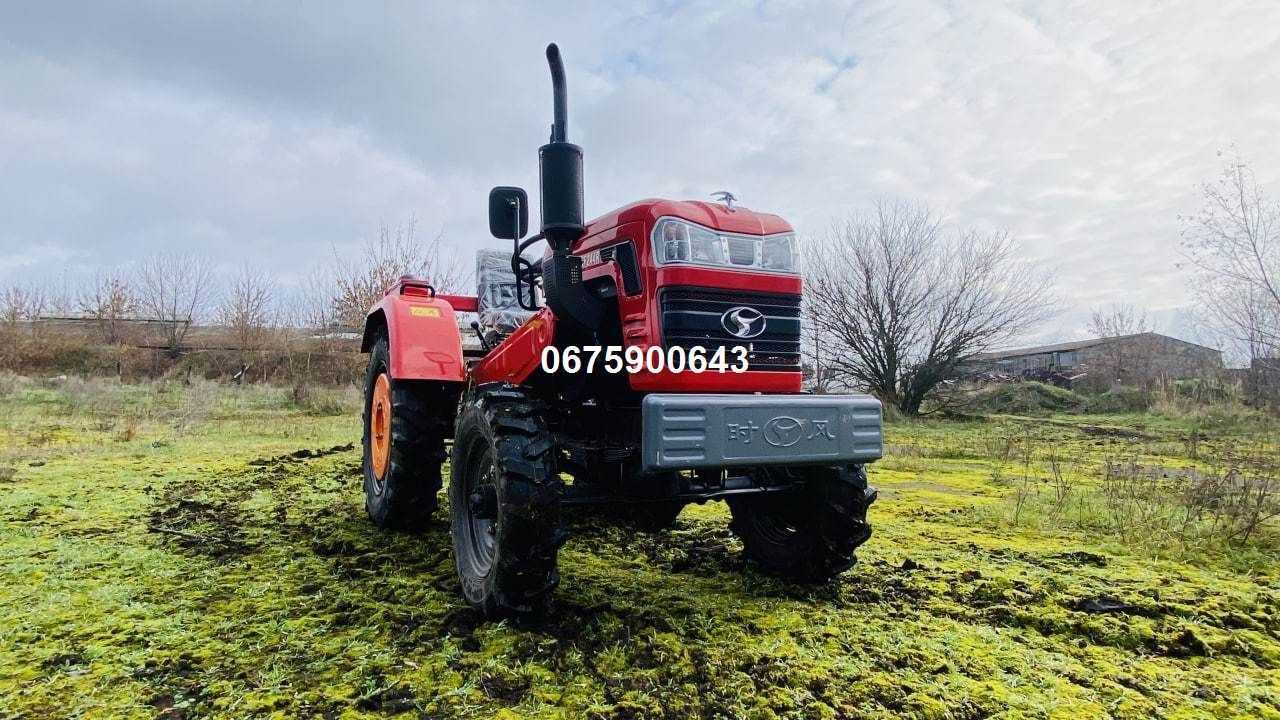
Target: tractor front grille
694, 317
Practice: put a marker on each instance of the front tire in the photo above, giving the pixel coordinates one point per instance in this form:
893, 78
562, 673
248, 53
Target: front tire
403, 447
504, 502
808, 533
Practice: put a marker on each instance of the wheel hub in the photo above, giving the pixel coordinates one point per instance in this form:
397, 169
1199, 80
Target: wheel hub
380, 427
482, 512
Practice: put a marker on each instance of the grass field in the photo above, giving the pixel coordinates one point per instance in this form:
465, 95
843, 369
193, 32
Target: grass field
202, 551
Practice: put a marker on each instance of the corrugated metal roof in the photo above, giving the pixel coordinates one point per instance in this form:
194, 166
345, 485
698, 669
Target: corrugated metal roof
1073, 345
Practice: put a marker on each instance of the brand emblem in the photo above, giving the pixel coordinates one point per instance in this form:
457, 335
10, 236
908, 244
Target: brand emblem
743, 322
419, 311
783, 431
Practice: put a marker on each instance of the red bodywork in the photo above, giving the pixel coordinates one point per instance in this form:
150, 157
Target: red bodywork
422, 332
518, 357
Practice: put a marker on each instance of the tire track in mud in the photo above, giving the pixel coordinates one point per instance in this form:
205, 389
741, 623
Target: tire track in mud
205, 518
405, 585
1048, 595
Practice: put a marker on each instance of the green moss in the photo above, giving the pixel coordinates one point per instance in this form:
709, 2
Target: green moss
202, 566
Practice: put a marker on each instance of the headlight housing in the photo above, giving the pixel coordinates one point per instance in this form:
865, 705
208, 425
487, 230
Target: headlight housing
682, 242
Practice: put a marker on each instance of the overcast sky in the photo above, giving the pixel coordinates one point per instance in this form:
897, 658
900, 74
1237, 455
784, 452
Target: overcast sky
274, 132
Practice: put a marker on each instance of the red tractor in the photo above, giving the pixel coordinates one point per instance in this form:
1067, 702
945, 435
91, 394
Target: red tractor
649, 359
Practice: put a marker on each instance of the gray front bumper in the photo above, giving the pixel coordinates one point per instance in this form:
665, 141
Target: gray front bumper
693, 431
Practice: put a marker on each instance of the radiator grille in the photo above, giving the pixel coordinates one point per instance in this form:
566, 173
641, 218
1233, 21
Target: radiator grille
692, 317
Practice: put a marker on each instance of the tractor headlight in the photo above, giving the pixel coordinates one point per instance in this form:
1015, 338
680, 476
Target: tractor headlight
678, 241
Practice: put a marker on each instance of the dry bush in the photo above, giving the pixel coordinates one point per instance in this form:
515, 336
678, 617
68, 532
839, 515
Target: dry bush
20, 308
998, 445
1064, 477
109, 300
1237, 496
9, 384
1135, 498
357, 283
1228, 501
22, 304
246, 309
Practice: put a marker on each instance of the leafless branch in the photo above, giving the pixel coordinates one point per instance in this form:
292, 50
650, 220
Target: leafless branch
109, 300
175, 288
357, 283
1234, 243
904, 300
246, 309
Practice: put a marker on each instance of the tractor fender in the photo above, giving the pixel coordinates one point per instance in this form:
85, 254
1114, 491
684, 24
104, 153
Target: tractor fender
422, 336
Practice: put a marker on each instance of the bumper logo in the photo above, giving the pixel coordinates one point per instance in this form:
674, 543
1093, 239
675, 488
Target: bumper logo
743, 322
783, 431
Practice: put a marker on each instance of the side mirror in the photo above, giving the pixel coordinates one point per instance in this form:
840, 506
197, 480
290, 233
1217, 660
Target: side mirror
508, 213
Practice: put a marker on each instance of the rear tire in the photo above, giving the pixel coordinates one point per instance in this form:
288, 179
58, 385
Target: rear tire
811, 532
504, 502
403, 444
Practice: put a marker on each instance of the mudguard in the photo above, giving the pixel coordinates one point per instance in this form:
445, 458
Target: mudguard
422, 333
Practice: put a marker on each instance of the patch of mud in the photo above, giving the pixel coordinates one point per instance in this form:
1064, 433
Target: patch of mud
1081, 557
302, 455
1111, 431
199, 523
201, 527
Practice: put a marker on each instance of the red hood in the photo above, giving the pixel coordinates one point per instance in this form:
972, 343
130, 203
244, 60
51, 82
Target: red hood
712, 215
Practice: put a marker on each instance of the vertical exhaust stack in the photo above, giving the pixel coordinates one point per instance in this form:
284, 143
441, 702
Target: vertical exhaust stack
560, 166
560, 185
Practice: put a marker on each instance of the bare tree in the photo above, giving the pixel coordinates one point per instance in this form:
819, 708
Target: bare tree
1234, 242
63, 293
1117, 320
1128, 362
904, 301
313, 304
246, 309
394, 252
815, 355
108, 299
22, 303
174, 288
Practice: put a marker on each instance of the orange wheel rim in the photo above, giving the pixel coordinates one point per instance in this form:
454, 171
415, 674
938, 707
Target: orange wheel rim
380, 425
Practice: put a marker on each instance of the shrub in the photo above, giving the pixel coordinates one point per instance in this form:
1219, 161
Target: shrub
9, 384
1205, 391
1023, 398
1227, 501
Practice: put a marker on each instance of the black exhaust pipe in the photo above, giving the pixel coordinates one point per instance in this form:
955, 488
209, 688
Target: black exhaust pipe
559, 96
560, 167
560, 183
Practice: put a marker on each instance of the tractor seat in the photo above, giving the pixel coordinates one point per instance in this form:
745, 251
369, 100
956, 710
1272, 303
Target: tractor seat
496, 303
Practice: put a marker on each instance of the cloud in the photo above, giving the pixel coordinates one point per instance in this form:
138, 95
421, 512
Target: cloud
272, 133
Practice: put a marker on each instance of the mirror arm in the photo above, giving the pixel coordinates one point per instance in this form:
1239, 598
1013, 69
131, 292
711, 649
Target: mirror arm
517, 258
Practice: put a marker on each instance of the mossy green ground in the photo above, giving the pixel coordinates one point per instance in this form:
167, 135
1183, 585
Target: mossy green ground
203, 552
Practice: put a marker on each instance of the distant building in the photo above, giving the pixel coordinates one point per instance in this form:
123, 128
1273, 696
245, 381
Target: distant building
1262, 381
1126, 359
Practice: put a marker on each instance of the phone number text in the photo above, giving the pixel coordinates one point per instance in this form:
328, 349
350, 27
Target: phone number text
654, 359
